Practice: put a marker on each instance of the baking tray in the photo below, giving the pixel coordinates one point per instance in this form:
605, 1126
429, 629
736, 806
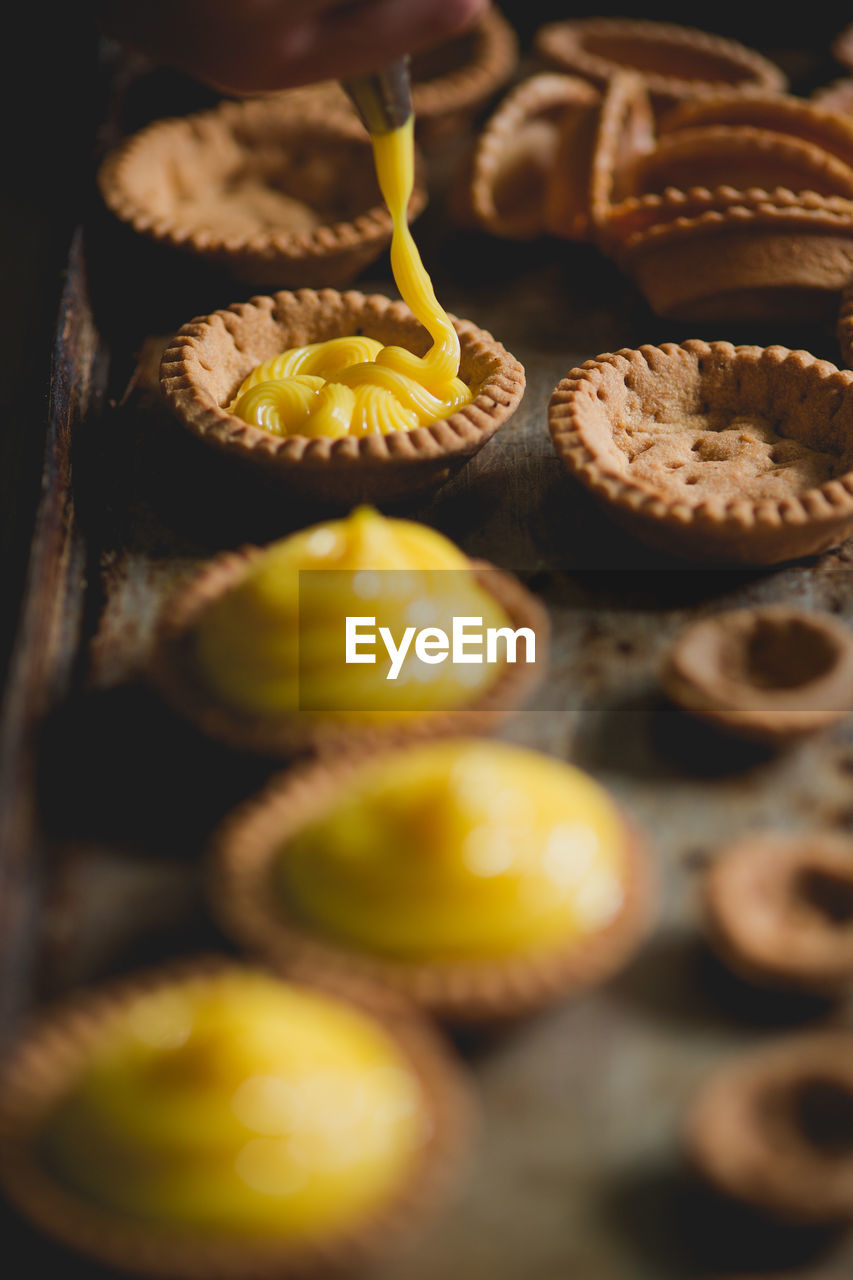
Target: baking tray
107, 800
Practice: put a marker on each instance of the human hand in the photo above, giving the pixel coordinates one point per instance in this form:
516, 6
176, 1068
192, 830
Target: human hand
256, 46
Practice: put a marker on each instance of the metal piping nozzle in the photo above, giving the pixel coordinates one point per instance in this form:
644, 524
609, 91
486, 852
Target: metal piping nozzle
383, 98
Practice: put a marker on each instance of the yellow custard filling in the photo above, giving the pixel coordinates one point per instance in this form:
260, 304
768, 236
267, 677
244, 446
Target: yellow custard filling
249, 642
355, 385
239, 1105
459, 850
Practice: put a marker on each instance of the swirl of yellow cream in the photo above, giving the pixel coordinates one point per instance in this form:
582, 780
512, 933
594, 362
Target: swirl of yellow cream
355, 385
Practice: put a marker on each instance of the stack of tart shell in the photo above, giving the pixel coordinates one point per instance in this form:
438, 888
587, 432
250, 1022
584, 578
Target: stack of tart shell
742, 210
676, 62
730, 202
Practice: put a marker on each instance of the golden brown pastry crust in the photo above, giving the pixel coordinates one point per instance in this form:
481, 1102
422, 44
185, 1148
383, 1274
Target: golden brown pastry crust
452, 82
624, 137
173, 672
761, 1128
556, 154
676, 62
275, 195
626, 221
746, 262
45, 1059
211, 356
742, 210
779, 112
770, 674
741, 156
605, 415
778, 908
530, 165
249, 908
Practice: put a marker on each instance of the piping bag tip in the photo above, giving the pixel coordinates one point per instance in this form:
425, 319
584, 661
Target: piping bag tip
383, 98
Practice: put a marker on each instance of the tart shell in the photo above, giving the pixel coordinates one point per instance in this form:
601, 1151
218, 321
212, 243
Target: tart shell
742, 156
627, 222
676, 62
301, 202
781, 113
39, 1067
452, 82
760, 1129
746, 262
771, 674
588, 405
210, 357
173, 673
461, 991
732, 295
530, 167
624, 136
778, 907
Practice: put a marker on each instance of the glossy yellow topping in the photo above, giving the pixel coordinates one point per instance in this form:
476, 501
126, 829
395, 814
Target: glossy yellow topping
248, 642
239, 1105
460, 850
357, 386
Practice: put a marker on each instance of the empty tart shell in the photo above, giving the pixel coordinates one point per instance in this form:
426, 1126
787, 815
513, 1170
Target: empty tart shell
210, 357
275, 197
556, 154
741, 156
778, 112
676, 62
747, 262
772, 1128
455, 80
544, 126
252, 911
770, 674
623, 223
713, 452
48, 1056
625, 134
778, 909
174, 672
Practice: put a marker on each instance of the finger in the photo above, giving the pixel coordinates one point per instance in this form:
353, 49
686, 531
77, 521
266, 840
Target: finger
262, 45
375, 32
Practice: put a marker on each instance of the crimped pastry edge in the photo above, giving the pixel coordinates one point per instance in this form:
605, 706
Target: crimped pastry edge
739, 529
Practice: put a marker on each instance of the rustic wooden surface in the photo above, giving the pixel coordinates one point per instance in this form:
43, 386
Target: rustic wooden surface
578, 1171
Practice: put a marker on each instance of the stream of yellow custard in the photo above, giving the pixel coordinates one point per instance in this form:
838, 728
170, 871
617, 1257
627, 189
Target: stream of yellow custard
355, 385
